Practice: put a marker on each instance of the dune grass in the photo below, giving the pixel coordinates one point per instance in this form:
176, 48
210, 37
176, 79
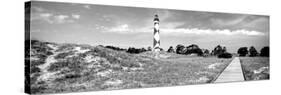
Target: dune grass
98, 68
255, 68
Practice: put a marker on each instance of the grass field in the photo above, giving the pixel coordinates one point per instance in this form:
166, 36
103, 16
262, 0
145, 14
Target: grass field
70, 68
255, 68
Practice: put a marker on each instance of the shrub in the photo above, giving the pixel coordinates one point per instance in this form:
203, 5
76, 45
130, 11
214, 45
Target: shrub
136, 50
65, 47
197, 51
253, 52
58, 65
206, 52
34, 69
63, 55
37, 62
242, 51
149, 49
265, 51
219, 50
225, 55
74, 64
224, 49
180, 49
72, 76
191, 49
129, 64
115, 48
171, 50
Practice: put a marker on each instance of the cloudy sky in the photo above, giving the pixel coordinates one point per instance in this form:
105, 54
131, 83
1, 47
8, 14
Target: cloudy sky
133, 27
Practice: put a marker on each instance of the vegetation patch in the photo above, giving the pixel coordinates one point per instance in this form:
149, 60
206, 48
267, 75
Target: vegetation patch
255, 68
99, 68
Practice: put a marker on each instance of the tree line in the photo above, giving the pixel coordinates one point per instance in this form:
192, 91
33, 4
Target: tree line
252, 52
219, 51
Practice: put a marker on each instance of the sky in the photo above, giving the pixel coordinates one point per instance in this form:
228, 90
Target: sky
133, 26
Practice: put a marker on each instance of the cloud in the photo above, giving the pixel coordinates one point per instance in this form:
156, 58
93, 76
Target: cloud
210, 32
54, 18
62, 19
75, 16
164, 14
261, 23
100, 27
87, 6
180, 28
41, 14
172, 25
247, 22
35, 30
37, 9
46, 15
228, 22
171, 30
42, 17
120, 29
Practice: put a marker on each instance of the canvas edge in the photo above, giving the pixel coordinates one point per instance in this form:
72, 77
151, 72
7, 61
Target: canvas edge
27, 13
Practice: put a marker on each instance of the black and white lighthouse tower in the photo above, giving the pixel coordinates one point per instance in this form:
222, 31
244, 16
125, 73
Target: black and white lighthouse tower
156, 36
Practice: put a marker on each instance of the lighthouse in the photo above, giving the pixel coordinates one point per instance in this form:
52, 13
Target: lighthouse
156, 37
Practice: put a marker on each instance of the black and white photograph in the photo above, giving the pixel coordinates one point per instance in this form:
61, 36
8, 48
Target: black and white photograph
80, 47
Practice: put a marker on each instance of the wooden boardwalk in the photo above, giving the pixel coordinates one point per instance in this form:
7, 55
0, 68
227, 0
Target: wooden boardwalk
232, 73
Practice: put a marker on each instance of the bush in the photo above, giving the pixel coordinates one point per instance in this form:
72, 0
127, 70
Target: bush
206, 52
72, 76
149, 49
242, 51
34, 70
253, 51
58, 65
218, 50
265, 52
136, 50
115, 48
129, 64
194, 49
171, 50
180, 49
64, 55
225, 55
191, 49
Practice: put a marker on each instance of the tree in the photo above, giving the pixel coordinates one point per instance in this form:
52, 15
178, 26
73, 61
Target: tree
225, 55
212, 52
180, 49
171, 50
223, 49
253, 51
142, 50
161, 49
218, 50
149, 48
265, 51
135, 50
206, 52
193, 48
115, 48
242, 51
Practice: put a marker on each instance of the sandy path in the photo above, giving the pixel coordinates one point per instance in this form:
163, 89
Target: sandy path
49, 60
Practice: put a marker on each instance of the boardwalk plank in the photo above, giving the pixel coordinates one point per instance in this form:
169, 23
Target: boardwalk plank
232, 73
